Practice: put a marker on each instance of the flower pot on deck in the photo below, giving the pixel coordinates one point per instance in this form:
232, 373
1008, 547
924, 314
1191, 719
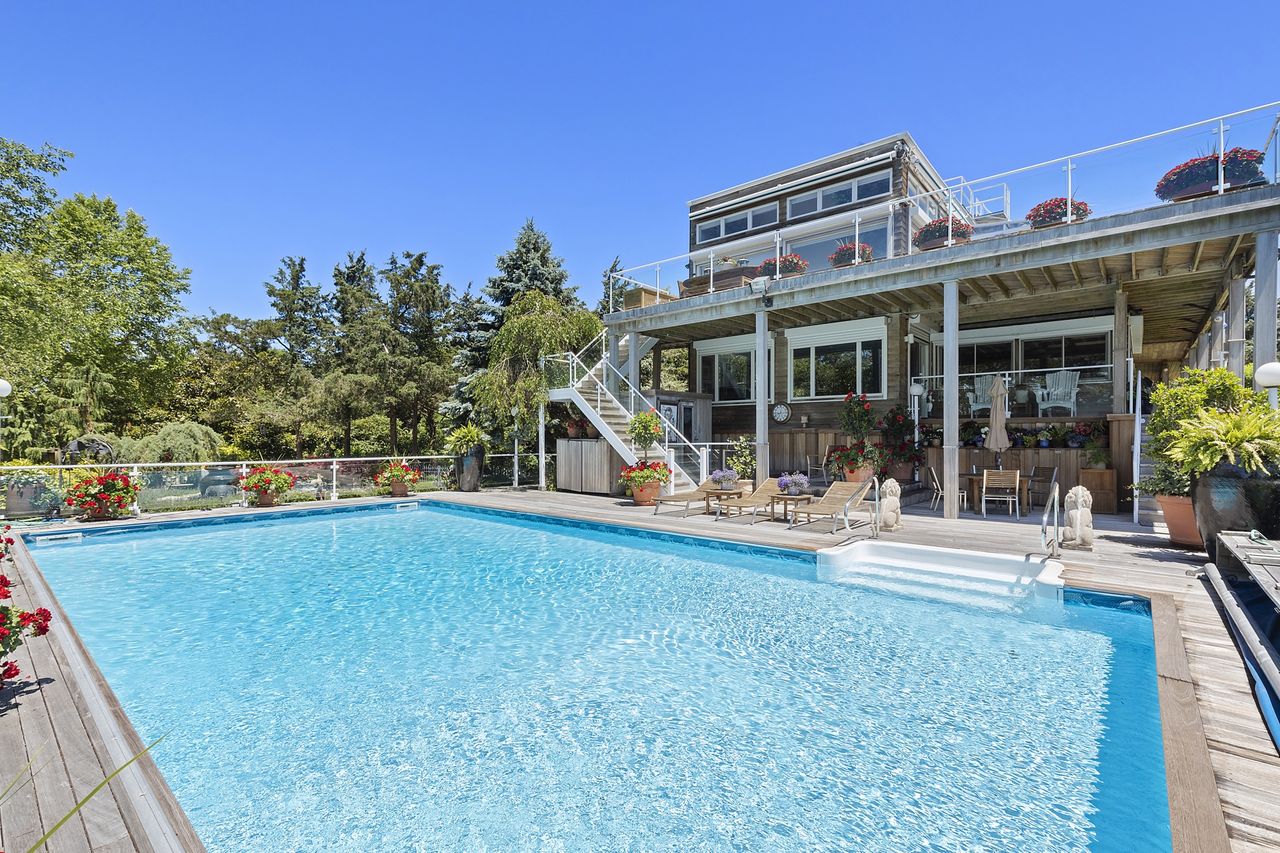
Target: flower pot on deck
646, 493
264, 499
399, 490
1229, 498
858, 475
940, 242
1180, 518
470, 465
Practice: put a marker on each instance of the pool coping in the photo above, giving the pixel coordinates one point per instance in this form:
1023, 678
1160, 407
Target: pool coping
1197, 822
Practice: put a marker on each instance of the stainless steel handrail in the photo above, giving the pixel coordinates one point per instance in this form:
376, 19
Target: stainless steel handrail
1051, 503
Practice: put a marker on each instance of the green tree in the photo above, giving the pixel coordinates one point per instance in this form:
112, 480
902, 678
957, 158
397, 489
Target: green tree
609, 288
303, 324
418, 303
529, 266
25, 194
537, 325
470, 335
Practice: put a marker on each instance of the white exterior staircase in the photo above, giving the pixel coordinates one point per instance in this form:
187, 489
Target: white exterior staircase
590, 381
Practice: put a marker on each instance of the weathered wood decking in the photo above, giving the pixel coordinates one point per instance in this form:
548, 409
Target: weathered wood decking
72, 719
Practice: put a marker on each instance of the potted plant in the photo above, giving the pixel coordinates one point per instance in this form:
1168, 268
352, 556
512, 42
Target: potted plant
1199, 175
931, 436
933, 235
397, 476
847, 253
1233, 460
16, 624
265, 483
645, 480
1058, 436
725, 478
794, 484
787, 265
466, 444
25, 493
589, 429
1016, 437
1095, 455
573, 427
897, 435
1054, 212
103, 496
858, 461
1186, 398
1043, 438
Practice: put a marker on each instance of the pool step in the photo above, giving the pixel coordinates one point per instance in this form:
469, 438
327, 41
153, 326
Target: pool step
973, 589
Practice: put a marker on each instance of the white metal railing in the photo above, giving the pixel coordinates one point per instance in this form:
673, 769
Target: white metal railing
1116, 178
1050, 505
1139, 422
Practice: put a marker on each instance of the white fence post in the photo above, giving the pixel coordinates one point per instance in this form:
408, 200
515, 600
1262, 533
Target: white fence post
244, 496
333, 483
515, 462
133, 478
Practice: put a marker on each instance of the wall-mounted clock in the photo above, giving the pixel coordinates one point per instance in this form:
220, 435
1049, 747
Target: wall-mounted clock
781, 413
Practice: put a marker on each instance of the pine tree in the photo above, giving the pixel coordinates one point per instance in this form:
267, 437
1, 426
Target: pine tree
303, 321
418, 302
608, 287
529, 266
470, 336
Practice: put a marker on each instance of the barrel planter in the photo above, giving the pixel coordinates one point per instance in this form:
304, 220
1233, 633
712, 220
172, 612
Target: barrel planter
1229, 498
470, 465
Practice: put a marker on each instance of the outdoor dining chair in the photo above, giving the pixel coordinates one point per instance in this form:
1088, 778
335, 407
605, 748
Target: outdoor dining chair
1001, 486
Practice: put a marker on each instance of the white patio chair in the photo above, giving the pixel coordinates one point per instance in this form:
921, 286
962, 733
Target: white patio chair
936, 498
1059, 392
980, 396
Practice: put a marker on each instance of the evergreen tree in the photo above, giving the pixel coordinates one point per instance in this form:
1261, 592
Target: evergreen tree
529, 266
609, 286
470, 334
303, 322
418, 302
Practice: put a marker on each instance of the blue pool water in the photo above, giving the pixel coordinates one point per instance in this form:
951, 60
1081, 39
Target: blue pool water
441, 680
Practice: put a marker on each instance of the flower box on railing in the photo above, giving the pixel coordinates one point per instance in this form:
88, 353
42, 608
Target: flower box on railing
846, 253
1054, 212
787, 265
934, 235
1241, 167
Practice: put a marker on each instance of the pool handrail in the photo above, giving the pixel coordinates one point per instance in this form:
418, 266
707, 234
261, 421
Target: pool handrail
1050, 502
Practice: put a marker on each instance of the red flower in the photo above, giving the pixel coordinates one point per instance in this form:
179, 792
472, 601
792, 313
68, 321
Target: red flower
866, 406
4, 633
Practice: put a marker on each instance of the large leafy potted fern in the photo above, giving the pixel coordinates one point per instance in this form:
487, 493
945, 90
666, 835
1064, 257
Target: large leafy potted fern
1234, 461
466, 445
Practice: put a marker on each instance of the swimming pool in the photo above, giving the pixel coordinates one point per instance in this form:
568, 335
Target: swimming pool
442, 679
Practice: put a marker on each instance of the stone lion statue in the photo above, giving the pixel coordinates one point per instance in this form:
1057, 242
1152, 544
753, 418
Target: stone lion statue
890, 505
1079, 530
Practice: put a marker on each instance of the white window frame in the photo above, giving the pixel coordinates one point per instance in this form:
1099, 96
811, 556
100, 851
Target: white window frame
845, 230
751, 223
854, 182
848, 332
717, 347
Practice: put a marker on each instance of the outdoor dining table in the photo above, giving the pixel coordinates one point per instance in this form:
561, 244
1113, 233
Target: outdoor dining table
974, 484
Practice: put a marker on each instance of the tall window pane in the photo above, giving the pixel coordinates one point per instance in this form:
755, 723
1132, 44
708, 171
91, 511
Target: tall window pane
733, 381
872, 359
873, 185
801, 205
735, 224
1086, 350
993, 358
762, 216
1042, 354
707, 374
835, 369
708, 231
800, 372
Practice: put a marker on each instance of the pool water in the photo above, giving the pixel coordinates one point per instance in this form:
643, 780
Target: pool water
439, 679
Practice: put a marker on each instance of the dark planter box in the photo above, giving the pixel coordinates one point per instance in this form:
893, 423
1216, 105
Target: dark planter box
1227, 498
470, 466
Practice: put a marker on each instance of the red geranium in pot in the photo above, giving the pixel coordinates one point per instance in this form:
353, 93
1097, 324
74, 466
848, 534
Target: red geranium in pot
397, 476
1199, 175
645, 479
265, 483
786, 265
933, 235
1054, 212
107, 495
846, 253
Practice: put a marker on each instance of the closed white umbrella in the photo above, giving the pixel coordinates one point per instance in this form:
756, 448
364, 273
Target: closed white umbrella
997, 438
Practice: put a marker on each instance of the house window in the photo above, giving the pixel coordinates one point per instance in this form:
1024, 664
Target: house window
729, 377
833, 370
707, 375
838, 195
738, 223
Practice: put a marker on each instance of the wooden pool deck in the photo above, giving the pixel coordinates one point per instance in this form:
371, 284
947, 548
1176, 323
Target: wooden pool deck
1223, 769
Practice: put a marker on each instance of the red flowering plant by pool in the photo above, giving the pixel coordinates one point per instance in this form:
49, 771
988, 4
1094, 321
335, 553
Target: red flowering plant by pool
937, 230
645, 472
15, 623
105, 495
856, 417
859, 454
847, 253
1239, 166
265, 482
786, 265
1055, 210
397, 472
897, 434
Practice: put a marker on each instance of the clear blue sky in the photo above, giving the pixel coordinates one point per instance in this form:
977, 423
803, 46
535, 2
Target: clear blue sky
248, 131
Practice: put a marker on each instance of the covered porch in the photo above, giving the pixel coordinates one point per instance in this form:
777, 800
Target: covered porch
1079, 319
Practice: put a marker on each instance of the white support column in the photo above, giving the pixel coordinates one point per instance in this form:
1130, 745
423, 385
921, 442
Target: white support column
614, 342
1235, 327
1217, 341
951, 399
1120, 354
542, 446
1264, 301
762, 396
633, 360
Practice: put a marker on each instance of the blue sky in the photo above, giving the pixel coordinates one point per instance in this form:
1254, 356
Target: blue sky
248, 131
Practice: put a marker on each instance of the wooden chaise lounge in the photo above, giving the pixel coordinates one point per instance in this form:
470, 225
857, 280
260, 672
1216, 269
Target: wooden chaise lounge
840, 500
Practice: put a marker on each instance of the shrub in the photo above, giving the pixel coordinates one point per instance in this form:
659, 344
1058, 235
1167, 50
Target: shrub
742, 458
462, 439
785, 265
1055, 210
1239, 166
937, 229
1249, 438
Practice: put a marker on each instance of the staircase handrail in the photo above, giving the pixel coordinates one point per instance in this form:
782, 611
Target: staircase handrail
589, 345
635, 392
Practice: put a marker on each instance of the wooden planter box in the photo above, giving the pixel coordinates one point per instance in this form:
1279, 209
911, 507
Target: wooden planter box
939, 242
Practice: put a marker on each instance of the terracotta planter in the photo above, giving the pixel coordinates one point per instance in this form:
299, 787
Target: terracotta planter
264, 499
939, 242
592, 432
858, 475
399, 490
645, 494
103, 511
1181, 520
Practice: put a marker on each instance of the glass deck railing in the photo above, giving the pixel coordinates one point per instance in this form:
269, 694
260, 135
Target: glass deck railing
1083, 392
1173, 165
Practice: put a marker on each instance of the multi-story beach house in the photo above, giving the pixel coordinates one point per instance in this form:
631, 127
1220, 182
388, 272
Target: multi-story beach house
1078, 282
